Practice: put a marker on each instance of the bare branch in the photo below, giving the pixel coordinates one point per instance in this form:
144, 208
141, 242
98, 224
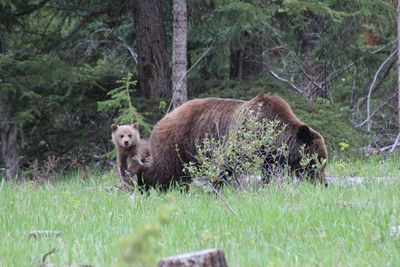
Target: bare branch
117, 40
286, 81
197, 61
391, 147
291, 54
130, 49
223, 200
376, 110
330, 77
396, 143
77, 27
378, 85
343, 69
372, 86
54, 250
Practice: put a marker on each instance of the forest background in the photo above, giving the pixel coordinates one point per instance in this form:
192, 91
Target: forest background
68, 69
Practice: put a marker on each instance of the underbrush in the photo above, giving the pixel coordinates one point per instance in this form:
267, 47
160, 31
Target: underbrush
278, 225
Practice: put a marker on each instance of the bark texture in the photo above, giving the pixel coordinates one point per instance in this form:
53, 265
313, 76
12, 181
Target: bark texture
151, 47
8, 131
179, 53
9, 142
398, 66
203, 258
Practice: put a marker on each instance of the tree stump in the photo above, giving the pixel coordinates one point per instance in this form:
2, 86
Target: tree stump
202, 258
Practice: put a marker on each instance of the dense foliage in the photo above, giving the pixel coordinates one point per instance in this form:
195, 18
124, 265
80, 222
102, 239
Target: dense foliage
59, 59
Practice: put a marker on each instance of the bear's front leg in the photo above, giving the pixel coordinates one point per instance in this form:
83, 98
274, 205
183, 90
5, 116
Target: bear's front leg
126, 178
122, 164
136, 166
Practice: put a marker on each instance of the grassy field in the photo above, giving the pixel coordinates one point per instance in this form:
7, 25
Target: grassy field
287, 225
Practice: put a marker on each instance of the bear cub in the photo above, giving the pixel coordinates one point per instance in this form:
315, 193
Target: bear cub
130, 148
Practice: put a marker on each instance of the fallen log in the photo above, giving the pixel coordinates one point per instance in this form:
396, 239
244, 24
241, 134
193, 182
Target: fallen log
43, 233
202, 258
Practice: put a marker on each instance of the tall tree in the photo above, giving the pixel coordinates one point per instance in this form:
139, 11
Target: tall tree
37, 77
179, 53
152, 48
398, 74
8, 131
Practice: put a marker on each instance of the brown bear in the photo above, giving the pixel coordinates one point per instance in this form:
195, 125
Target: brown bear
129, 145
183, 128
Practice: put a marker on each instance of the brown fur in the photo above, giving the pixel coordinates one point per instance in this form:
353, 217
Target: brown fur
128, 144
181, 129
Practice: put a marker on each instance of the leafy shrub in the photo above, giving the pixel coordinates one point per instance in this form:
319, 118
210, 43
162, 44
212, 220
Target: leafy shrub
121, 101
240, 155
253, 150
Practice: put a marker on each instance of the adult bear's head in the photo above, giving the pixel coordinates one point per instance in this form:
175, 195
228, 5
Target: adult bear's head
297, 135
314, 151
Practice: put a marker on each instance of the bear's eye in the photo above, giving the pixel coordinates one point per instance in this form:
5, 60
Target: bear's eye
122, 136
129, 135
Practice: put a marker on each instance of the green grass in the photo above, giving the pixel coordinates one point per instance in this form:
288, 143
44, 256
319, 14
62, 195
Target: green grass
285, 225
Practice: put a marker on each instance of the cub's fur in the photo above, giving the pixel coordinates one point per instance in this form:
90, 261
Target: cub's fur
129, 145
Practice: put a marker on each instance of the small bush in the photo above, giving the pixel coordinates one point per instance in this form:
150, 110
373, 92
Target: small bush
46, 172
241, 155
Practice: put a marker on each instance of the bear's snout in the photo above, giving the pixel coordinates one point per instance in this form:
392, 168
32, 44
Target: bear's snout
126, 143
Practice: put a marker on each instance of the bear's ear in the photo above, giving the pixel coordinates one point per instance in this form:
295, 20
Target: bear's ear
261, 96
114, 127
304, 134
136, 125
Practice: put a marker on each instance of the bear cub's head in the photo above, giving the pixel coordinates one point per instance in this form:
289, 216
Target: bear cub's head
125, 136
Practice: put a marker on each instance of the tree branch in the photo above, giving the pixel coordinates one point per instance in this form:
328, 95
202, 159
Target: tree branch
343, 69
69, 8
372, 86
378, 85
286, 81
395, 143
186, 73
119, 41
77, 27
383, 103
32, 8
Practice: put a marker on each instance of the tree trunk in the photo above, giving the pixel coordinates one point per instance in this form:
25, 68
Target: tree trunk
314, 70
236, 67
203, 258
179, 54
247, 60
9, 138
152, 48
8, 131
398, 75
